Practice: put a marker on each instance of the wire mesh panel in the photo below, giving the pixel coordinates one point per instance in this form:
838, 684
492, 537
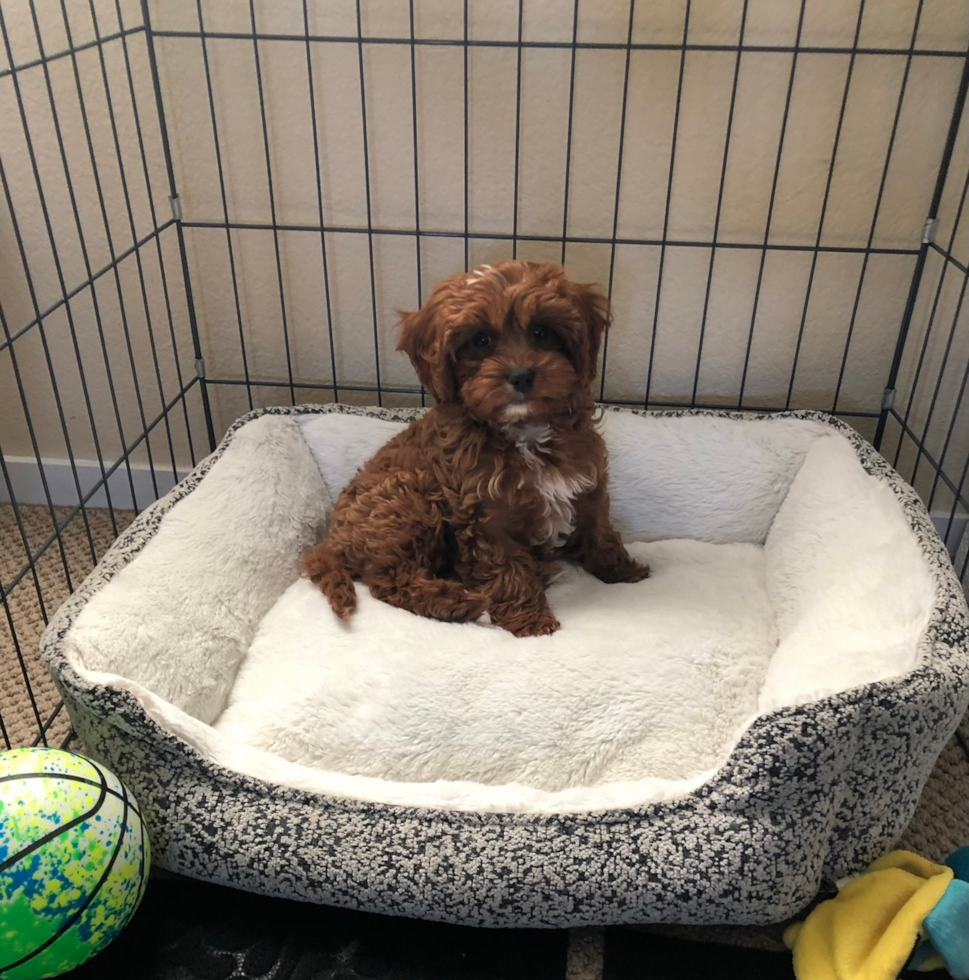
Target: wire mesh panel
210, 206
926, 427
96, 362
748, 181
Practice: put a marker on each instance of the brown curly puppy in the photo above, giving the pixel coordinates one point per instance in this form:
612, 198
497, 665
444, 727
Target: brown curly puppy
468, 509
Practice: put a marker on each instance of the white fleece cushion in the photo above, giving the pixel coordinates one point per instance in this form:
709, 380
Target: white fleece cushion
651, 679
179, 618
702, 477
341, 444
712, 479
847, 580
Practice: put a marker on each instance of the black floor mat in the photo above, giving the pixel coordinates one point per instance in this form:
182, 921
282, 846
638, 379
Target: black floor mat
631, 955
187, 930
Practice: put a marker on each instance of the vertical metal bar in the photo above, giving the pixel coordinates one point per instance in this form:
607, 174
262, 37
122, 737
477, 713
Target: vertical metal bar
24, 539
518, 132
958, 488
158, 248
666, 211
319, 203
31, 434
940, 284
723, 181
959, 495
366, 176
15, 225
55, 118
921, 444
417, 182
272, 202
22, 663
962, 572
773, 190
110, 241
31, 564
877, 209
906, 321
956, 416
179, 230
928, 333
41, 737
901, 440
467, 236
824, 208
615, 210
225, 203
95, 171
568, 138
146, 306
943, 270
117, 277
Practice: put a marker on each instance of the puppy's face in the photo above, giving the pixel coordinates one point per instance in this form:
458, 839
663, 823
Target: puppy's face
513, 342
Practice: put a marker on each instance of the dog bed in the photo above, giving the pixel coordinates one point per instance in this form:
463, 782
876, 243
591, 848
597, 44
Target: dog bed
709, 745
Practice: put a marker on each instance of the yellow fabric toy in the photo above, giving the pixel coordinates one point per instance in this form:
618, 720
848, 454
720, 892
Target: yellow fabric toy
869, 930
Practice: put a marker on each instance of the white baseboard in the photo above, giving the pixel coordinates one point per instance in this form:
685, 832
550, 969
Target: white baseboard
28, 487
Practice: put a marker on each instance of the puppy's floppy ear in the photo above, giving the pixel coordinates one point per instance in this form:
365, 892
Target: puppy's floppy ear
423, 338
596, 314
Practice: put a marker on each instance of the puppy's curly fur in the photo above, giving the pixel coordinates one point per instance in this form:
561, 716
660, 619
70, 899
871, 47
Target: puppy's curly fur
468, 510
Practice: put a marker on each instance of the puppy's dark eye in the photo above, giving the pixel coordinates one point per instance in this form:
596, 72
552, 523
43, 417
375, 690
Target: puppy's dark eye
540, 332
482, 339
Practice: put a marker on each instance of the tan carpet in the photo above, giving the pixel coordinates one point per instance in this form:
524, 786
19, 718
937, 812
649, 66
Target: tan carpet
34, 599
940, 824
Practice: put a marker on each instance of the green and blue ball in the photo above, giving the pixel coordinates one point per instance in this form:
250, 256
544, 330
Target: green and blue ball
74, 861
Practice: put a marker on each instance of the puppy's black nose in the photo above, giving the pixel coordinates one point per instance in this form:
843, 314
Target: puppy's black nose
522, 379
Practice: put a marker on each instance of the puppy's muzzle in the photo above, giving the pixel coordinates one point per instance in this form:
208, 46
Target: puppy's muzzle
522, 380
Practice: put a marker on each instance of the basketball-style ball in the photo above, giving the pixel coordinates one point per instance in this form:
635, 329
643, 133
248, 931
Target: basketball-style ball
74, 861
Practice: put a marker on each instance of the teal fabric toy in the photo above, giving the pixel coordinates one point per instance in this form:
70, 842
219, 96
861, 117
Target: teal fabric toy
946, 928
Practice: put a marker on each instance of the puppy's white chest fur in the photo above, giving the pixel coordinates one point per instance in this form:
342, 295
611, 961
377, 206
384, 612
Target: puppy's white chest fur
558, 488
558, 493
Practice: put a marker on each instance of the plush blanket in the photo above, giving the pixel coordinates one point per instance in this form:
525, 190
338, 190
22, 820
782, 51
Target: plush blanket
653, 678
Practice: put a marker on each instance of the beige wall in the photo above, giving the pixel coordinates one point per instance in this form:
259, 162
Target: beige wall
672, 331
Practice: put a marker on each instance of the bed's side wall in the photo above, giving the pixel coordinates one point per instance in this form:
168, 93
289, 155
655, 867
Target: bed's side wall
180, 616
850, 586
703, 477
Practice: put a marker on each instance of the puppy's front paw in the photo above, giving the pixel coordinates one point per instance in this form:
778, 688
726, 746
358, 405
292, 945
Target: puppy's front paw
635, 573
469, 607
541, 627
451, 602
526, 622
